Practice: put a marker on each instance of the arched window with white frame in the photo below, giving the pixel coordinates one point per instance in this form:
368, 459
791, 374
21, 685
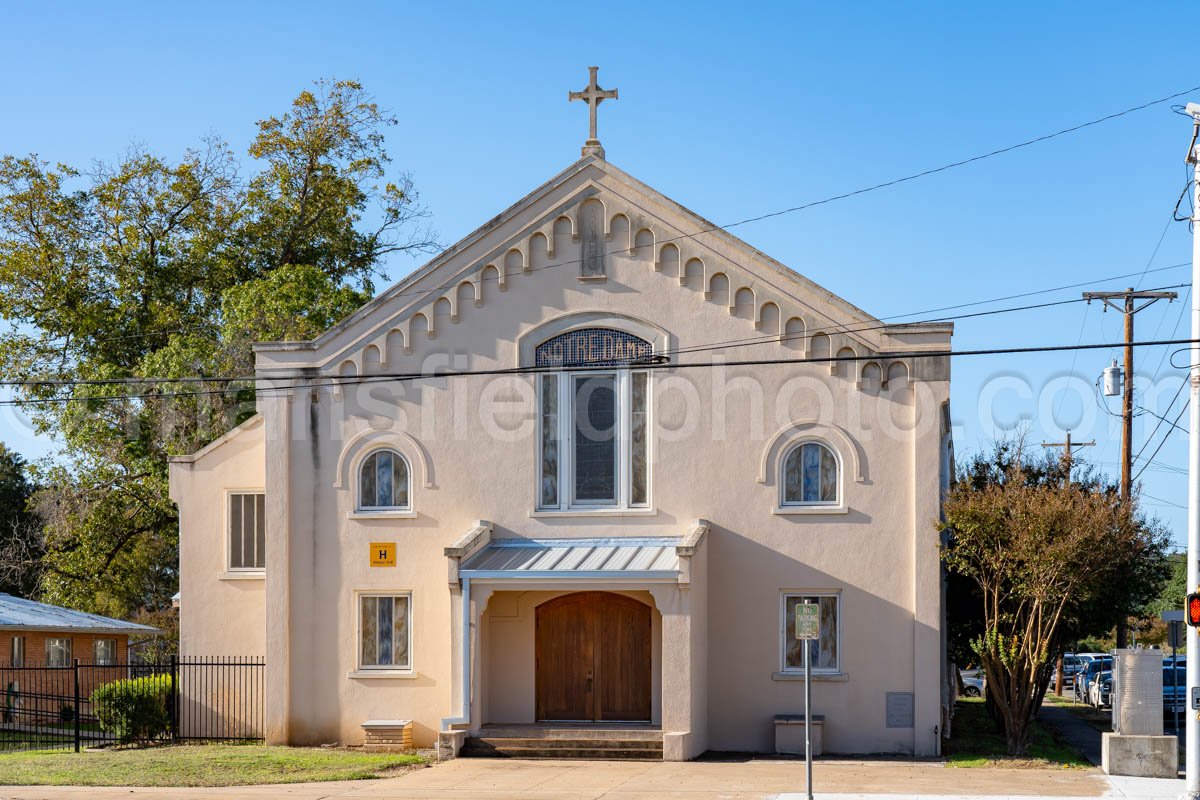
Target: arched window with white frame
383, 482
811, 475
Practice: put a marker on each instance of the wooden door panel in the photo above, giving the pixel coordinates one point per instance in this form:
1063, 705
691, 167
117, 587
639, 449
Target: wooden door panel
622, 658
593, 659
565, 657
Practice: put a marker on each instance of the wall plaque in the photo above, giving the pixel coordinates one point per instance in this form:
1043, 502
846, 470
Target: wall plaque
383, 554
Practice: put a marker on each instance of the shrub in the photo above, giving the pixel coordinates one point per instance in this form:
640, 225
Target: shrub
134, 709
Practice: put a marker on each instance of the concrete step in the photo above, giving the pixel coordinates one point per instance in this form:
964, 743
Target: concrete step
592, 732
597, 749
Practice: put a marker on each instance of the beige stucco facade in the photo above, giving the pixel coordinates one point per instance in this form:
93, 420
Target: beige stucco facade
719, 431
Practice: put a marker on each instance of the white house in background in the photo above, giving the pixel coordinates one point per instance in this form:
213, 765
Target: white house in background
596, 517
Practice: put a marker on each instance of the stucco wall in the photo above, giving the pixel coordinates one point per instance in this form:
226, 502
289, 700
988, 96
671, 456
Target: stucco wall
221, 613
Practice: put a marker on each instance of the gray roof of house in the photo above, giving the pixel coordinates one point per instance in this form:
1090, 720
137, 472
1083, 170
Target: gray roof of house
17, 613
604, 557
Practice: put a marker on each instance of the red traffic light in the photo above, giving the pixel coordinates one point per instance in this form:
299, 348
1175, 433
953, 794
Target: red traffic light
1193, 609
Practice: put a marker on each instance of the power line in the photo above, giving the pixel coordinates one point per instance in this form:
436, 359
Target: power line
721, 345
1163, 442
342, 380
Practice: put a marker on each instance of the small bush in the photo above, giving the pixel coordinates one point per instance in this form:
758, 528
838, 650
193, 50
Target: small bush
134, 709
66, 712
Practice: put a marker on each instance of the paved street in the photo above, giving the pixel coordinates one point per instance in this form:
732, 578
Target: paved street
761, 779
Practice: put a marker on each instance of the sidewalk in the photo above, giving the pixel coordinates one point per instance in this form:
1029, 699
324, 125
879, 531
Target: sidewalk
752, 779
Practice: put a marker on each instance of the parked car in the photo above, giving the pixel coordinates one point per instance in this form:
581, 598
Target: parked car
1093, 668
1072, 664
1100, 689
1175, 695
974, 686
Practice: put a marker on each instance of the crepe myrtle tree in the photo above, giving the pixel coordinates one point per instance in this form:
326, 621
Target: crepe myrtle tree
1047, 561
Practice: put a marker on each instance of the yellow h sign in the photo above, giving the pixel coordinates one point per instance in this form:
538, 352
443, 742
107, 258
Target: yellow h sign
383, 554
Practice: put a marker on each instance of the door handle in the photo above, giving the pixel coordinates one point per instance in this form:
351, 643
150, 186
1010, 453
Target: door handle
589, 681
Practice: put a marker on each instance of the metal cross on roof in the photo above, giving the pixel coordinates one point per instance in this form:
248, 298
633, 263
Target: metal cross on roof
593, 95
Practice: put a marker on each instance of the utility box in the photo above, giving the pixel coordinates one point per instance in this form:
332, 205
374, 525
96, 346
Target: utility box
1137, 692
1137, 747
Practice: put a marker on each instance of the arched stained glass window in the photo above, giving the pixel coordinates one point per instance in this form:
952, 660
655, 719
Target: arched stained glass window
383, 481
810, 475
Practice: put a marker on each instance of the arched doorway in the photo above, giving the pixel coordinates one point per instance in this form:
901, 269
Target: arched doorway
593, 654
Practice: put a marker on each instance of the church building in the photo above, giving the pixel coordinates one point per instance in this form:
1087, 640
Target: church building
577, 473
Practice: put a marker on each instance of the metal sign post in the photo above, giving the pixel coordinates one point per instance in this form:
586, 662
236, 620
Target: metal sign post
808, 628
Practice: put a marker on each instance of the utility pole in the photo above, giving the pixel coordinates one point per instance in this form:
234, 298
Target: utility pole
1126, 303
1067, 456
1192, 734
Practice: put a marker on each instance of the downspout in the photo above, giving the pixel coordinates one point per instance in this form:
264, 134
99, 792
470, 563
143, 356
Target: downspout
465, 716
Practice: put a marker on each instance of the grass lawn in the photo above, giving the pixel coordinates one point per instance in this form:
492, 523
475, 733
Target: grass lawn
975, 742
198, 765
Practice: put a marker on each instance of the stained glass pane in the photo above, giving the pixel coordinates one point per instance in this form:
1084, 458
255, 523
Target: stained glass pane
400, 632
366, 489
400, 483
549, 480
810, 459
595, 439
383, 479
829, 479
370, 635
792, 489
385, 630
638, 494
823, 651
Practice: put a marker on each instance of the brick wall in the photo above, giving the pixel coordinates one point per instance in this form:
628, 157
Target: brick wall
82, 646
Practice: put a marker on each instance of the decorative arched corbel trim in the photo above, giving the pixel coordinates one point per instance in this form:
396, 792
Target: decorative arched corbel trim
848, 449
369, 439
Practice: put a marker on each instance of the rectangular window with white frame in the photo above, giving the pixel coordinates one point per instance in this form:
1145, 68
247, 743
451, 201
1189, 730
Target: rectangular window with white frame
594, 435
825, 652
104, 652
58, 652
247, 531
385, 631
18, 651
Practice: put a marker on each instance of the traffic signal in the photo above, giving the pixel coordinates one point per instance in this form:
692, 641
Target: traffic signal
1192, 609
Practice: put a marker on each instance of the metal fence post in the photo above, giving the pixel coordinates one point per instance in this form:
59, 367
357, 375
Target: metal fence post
173, 710
77, 709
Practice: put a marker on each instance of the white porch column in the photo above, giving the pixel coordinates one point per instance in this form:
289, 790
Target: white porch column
684, 610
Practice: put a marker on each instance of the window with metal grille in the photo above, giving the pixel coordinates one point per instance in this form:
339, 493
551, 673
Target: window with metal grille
247, 531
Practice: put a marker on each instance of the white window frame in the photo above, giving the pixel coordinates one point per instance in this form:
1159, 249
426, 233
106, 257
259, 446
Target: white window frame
623, 470
17, 643
827, 505
381, 670
96, 652
783, 600
50, 640
365, 510
230, 570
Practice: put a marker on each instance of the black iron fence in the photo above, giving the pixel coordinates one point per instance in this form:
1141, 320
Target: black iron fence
48, 707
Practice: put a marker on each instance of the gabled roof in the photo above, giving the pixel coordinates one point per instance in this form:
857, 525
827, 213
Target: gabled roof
17, 613
531, 216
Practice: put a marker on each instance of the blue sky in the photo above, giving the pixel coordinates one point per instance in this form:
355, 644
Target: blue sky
733, 111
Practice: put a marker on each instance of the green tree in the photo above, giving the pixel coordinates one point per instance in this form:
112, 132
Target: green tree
1051, 562
153, 268
20, 543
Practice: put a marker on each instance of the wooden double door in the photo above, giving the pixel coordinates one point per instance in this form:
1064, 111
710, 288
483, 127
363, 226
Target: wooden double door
593, 658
